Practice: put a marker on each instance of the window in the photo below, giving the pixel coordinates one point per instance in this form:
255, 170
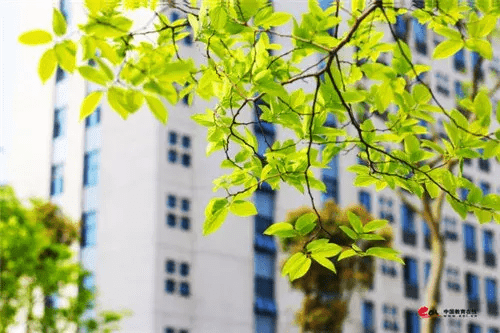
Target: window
459, 61
485, 188
491, 296
484, 164
474, 328
89, 229
470, 242
94, 118
411, 278
472, 283
184, 289
176, 150
264, 131
493, 330
170, 266
408, 221
464, 191
169, 330
184, 271
60, 74
65, 7
390, 322
185, 205
388, 268
450, 228
420, 32
368, 319
442, 83
427, 235
365, 200
401, 27
330, 178
59, 120
171, 220
264, 202
171, 201
185, 223
427, 271
452, 278
170, 286
91, 168
488, 247
459, 90
56, 179
265, 323
454, 325
476, 65
264, 265
385, 206
412, 322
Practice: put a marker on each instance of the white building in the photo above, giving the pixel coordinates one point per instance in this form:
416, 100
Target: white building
141, 188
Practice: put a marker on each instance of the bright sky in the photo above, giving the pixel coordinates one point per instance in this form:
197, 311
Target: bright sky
9, 30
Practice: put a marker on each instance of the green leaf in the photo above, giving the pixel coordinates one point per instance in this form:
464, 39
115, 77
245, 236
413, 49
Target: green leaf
374, 225
114, 27
35, 37
371, 237
306, 223
66, 55
276, 19
58, 23
355, 222
447, 48
382, 252
325, 250
215, 214
47, 65
157, 108
349, 232
91, 74
115, 97
281, 229
90, 103
347, 254
482, 105
296, 266
243, 208
324, 262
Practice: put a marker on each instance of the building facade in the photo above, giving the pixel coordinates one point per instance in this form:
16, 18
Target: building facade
140, 188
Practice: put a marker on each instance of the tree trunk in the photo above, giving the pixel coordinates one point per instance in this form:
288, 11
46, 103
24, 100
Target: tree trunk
435, 277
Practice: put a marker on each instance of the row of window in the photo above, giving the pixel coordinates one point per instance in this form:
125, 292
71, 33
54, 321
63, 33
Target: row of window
59, 129
179, 149
265, 311
172, 330
178, 208
90, 173
171, 287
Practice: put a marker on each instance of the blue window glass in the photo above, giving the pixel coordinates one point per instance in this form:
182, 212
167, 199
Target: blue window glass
470, 237
94, 118
485, 188
411, 272
186, 160
491, 290
401, 27
330, 178
420, 33
459, 90
172, 138
185, 205
59, 121
408, 218
427, 231
324, 4
89, 229
188, 40
170, 266
172, 156
472, 287
184, 269
89, 282
459, 61
174, 16
169, 330
474, 328
264, 264
91, 168
171, 201
65, 7
57, 179
365, 200
493, 330
475, 62
184, 289
412, 322
264, 202
427, 271
368, 317
171, 220
264, 287
60, 74
488, 241
170, 286
186, 141
185, 223
265, 323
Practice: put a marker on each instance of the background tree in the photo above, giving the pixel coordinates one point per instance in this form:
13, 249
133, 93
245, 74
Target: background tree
37, 268
327, 296
144, 66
